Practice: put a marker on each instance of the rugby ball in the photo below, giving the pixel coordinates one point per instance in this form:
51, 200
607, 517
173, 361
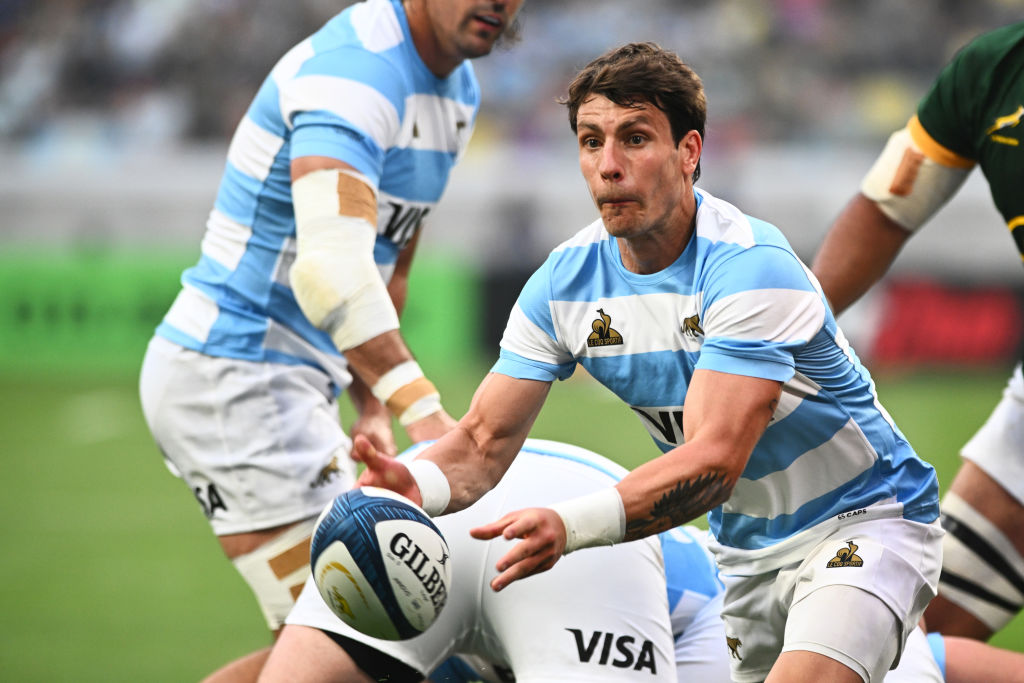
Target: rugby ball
380, 563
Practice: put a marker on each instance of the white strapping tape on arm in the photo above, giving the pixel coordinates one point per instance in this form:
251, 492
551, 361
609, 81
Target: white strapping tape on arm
434, 488
907, 186
407, 393
595, 519
334, 277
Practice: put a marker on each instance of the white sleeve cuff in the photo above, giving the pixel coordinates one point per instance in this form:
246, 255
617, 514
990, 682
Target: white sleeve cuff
433, 485
596, 519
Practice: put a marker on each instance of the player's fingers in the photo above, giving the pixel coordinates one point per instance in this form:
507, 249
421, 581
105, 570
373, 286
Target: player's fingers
364, 451
488, 531
533, 564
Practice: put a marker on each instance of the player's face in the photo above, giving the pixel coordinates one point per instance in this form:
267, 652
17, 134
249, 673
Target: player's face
467, 29
636, 174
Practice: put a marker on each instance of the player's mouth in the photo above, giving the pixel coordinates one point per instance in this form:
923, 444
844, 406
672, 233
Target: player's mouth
489, 21
614, 202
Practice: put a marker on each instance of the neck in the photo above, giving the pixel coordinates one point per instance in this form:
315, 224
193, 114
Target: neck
658, 248
426, 40
655, 251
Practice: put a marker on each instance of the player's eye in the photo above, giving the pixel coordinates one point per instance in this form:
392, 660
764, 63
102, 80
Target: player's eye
636, 139
589, 143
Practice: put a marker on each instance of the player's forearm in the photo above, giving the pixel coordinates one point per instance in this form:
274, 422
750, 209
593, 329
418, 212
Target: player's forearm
476, 453
856, 252
671, 490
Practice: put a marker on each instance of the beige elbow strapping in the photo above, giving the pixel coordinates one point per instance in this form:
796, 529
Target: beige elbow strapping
334, 277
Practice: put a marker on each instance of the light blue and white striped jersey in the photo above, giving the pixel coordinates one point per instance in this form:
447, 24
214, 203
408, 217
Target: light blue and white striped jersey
737, 300
356, 90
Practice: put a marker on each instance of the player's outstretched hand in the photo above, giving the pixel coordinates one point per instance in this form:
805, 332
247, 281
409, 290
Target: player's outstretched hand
383, 471
543, 543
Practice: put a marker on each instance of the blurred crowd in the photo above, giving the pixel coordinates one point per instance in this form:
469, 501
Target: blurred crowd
136, 74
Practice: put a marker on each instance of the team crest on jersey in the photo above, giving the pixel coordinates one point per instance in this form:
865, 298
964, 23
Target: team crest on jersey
846, 557
1004, 122
734, 647
603, 334
691, 326
329, 472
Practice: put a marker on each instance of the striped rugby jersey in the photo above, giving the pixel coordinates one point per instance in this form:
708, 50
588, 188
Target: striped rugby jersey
358, 91
737, 300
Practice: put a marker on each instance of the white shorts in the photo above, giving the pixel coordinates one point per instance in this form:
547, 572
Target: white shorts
998, 447
600, 614
893, 560
258, 444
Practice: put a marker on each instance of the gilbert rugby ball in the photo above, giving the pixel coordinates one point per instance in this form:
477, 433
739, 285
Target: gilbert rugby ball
380, 563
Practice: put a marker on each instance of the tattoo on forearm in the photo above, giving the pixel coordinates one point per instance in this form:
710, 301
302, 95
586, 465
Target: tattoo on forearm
683, 503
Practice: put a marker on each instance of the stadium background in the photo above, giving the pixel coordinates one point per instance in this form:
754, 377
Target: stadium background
114, 120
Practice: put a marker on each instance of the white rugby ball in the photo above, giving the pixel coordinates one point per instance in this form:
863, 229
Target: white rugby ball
380, 563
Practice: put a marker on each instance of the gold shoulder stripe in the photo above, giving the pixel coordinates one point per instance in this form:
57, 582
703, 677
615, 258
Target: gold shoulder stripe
933, 150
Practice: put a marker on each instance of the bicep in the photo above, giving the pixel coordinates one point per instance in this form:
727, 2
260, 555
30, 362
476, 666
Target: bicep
857, 251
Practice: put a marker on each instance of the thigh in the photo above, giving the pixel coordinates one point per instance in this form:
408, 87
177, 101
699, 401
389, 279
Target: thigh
308, 655
259, 444
998, 449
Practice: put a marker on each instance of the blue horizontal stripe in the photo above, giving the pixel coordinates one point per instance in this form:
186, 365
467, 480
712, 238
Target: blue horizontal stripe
751, 533
656, 378
757, 268
806, 428
515, 366
237, 196
417, 175
265, 110
320, 133
352, 62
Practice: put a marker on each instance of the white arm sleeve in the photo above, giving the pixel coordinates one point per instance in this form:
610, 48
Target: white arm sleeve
907, 185
334, 277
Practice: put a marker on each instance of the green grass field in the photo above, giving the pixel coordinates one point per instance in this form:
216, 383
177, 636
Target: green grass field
111, 574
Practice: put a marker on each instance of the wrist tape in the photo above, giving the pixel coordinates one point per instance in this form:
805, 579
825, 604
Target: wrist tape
433, 485
595, 519
407, 393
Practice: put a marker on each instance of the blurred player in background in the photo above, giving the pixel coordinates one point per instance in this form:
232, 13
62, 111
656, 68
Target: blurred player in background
707, 324
344, 150
971, 116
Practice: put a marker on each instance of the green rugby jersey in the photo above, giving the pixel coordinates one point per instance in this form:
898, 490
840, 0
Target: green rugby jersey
973, 113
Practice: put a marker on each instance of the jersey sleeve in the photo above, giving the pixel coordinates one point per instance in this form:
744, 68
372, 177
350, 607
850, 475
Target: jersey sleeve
530, 348
346, 104
760, 308
947, 121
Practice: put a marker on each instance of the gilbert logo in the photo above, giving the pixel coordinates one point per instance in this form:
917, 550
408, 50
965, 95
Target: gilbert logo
846, 557
603, 334
628, 653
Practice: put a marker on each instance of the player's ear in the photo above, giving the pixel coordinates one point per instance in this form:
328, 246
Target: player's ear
690, 148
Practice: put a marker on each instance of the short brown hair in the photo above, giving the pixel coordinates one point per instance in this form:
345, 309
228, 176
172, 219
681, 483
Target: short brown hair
644, 73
